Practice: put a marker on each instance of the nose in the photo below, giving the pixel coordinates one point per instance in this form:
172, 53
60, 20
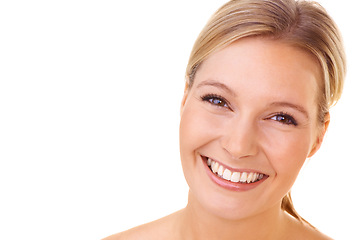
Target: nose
240, 139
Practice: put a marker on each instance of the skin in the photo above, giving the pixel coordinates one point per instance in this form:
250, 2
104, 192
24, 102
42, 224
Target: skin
261, 115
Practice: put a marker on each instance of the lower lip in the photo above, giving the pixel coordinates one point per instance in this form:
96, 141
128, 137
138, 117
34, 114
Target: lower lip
239, 187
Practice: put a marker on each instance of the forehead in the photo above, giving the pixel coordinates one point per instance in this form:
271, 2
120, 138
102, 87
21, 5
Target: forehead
270, 67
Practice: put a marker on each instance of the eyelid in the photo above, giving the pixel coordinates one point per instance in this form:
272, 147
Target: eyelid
287, 115
209, 96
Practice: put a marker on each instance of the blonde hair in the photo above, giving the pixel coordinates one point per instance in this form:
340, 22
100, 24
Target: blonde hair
303, 24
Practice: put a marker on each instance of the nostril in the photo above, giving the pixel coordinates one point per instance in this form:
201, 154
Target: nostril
240, 141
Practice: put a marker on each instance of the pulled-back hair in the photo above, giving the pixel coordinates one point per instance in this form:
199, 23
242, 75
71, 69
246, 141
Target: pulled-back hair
302, 24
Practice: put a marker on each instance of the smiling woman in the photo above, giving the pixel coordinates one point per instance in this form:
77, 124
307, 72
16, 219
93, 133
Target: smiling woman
260, 81
265, 125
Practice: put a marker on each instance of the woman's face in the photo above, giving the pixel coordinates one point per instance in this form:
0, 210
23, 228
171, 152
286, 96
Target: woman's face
251, 115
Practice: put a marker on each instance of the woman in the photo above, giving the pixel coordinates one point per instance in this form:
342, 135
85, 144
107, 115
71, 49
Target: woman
259, 84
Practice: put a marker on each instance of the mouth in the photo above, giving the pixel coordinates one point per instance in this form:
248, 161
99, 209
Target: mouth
233, 179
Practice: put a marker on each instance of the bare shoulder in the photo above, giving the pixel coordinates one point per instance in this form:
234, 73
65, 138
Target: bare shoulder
159, 229
132, 234
313, 234
147, 231
304, 231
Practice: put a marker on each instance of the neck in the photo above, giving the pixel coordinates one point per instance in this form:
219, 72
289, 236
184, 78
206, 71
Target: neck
197, 223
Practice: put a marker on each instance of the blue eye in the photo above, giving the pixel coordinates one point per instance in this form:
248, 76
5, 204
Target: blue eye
284, 118
215, 100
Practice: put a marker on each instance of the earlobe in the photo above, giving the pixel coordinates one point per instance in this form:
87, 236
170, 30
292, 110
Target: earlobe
320, 136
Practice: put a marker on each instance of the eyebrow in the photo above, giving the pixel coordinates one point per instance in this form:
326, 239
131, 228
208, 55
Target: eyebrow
218, 85
291, 105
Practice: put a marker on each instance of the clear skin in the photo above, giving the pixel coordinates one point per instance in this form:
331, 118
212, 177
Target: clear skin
253, 105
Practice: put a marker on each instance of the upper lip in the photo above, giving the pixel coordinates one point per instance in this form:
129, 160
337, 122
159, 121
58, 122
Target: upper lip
248, 170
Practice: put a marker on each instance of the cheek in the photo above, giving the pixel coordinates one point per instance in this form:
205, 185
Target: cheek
287, 154
188, 135
197, 128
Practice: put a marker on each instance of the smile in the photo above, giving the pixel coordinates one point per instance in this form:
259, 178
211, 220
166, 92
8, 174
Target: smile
234, 180
242, 177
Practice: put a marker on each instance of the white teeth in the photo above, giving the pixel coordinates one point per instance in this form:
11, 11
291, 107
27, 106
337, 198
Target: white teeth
250, 177
226, 174
220, 171
255, 176
235, 177
214, 167
243, 177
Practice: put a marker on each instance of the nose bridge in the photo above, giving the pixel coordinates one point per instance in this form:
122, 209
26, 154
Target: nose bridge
240, 139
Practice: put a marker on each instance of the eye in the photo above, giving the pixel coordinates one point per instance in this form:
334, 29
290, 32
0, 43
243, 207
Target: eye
284, 118
215, 100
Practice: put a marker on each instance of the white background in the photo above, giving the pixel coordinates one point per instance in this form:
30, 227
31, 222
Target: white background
89, 111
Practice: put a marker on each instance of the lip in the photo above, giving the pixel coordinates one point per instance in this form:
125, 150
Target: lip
239, 187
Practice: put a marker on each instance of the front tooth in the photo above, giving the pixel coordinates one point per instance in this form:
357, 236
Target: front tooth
214, 166
227, 174
220, 170
243, 177
235, 177
249, 177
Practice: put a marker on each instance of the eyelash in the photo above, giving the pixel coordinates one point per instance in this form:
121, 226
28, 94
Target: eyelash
215, 100
286, 118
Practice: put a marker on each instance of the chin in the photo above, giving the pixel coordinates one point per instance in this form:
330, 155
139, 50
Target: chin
226, 203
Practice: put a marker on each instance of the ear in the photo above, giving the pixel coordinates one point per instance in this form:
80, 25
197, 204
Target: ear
185, 96
320, 136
